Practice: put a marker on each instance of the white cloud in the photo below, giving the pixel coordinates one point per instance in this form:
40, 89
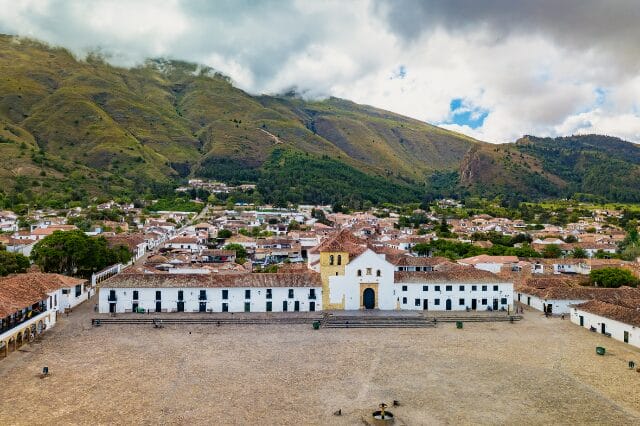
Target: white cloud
535, 68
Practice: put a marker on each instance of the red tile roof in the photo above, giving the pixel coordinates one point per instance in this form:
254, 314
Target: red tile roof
305, 279
22, 290
616, 312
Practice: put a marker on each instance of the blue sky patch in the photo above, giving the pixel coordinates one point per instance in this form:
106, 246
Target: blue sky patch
466, 115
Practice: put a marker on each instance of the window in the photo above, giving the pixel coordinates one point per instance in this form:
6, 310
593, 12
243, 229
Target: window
290, 293
158, 295
331, 260
404, 288
437, 288
269, 295
78, 290
404, 300
247, 294
484, 302
225, 307
378, 273
495, 288
112, 295
436, 301
247, 306
269, 306
203, 295
425, 288
284, 306
65, 291
368, 271
503, 301
180, 295
448, 288
312, 293
417, 302
339, 259
484, 288
461, 288
225, 294
135, 294
359, 272
474, 287
461, 302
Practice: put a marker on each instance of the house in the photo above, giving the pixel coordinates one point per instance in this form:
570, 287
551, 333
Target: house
556, 295
8, 221
29, 304
619, 319
234, 292
185, 243
218, 256
488, 263
274, 250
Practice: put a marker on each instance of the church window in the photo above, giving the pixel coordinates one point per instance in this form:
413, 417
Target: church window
359, 272
331, 260
378, 273
339, 259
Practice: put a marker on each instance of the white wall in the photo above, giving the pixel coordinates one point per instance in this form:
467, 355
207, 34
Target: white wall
558, 306
614, 327
236, 299
438, 292
347, 286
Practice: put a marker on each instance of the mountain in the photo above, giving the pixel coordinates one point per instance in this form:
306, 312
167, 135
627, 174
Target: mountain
74, 129
589, 167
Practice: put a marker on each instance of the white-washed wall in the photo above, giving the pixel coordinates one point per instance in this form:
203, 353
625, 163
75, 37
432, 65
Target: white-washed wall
438, 294
236, 299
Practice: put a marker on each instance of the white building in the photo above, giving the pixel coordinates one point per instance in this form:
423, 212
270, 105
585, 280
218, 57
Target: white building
620, 320
29, 304
556, 296
490, 263
260, 292
191, 244
453, 290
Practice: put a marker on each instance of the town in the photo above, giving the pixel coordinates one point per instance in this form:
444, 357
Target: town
386, 268
318, 258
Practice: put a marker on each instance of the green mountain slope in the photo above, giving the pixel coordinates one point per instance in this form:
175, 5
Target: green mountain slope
75, 129
587, 166
94, 128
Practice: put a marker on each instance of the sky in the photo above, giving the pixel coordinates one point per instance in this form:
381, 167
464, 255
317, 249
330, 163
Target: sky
492, 69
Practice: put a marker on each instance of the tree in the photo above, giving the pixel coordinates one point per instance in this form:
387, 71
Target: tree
241, 252
75, 253
11, 263
579, 253
552, 251
613, 277
570, 239
224, 233
293, 226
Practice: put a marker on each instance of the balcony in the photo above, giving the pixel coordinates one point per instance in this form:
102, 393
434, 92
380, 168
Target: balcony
112, 298
23, 322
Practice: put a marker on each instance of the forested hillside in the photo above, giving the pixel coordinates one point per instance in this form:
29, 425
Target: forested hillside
73, 130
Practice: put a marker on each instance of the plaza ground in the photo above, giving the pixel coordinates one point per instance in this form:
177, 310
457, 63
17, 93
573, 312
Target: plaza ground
536, 371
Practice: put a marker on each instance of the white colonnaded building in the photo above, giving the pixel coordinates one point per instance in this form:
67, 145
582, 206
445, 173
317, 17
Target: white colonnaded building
345, 273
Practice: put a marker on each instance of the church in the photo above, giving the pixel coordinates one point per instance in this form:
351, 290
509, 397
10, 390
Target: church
356, 275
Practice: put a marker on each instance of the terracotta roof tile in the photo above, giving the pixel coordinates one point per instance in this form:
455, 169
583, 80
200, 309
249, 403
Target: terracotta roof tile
306, 279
